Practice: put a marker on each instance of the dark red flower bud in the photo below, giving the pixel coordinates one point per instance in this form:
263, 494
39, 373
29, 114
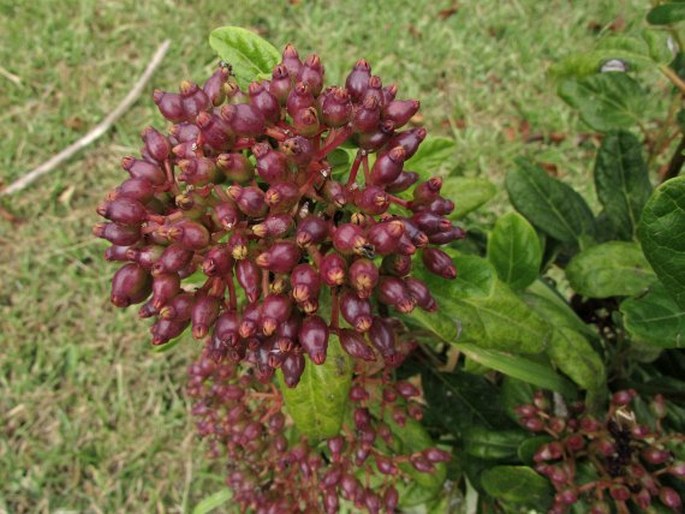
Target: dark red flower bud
311, 230
388, 167
165, 330
136, 189
184, 132
265, 101
575, 442
333, 269
398, 265
275, 225
249, 277
385, 237
187, 150
375, 139
193, 99
620, 493
430, 223
356, 311
299, 99
393, 291
391, 499
420, 293
174, 258
382, 337
292, 368
420, 463
314, 338
549, 451
198, 172
280, 83
116, 253
127, 211
156, 145
367, 116
372, 200
178, 308
439, 263
189, 234
450, 235
203, 315
655, 456
215, 131
363, 277
122, 235
311, 73
357, 82
276, 309
335, 107
400, 111
566, 497
334, 192
306, 122
213, 87
374, 90
282, 196
144, 169
436, 455
272, 165
227, 328
131, 284
348, 238
252, 315
409, 139
250, 200
305, 282
236, 167
245, 120
169, 105
299, 150
622, 398
281, 257
291, 61
354, 344
164, 287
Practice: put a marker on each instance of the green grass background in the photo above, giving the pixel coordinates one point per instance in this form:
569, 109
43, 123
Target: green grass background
91, 420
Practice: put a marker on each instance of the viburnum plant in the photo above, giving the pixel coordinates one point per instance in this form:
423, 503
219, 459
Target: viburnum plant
298, 230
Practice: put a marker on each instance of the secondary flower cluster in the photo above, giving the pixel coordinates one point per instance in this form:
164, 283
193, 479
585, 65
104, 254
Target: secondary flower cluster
241, 191
272, 470
632, 464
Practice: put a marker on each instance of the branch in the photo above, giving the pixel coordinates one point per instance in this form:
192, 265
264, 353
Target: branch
98, 131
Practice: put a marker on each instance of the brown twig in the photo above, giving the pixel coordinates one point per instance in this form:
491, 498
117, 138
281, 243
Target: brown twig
676, 162
96, 132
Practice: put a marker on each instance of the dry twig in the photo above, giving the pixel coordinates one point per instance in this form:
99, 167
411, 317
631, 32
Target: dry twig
96, 132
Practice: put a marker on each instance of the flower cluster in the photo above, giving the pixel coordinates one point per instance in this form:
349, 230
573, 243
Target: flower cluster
241, 190
272, 470
631, 463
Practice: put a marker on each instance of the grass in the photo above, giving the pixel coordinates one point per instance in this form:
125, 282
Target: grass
91, 420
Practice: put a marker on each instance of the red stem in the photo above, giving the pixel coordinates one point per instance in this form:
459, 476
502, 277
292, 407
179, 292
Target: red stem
334, 140
355, 168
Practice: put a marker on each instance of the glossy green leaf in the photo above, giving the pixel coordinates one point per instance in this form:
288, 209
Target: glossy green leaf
317, 404
467, 193
616, 268
662, 233
435, 152
655, 318
517, 484
213, 502
657, 42
574, 355
514, 250
520, 368
622, 181
486, 443
460, 400
552, 206
554, 309
606, 101
248, 54
667, 13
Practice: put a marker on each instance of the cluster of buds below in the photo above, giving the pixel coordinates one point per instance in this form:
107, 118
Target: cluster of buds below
240, 193
272, 471
633, 464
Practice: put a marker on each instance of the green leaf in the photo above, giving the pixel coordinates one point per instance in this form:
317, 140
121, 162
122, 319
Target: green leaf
633, 52
489, 444
467, 193
248, 54
317, 404
655, 318
553, 308
213, 501
657, 42
662, 232
622, 181
520, 368
514, 250
667, 13
574, 355
517, 484
616, 268
433, 153
606, 101
552, 206
460, 400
